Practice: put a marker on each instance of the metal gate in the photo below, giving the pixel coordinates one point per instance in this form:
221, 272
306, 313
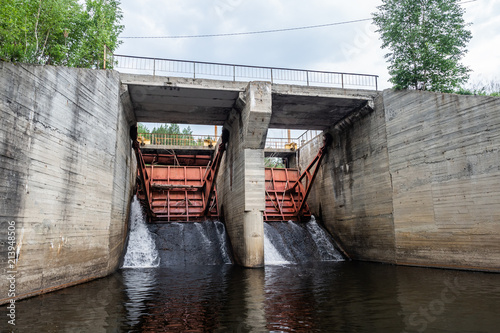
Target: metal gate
187, 193
287, 190
178, 193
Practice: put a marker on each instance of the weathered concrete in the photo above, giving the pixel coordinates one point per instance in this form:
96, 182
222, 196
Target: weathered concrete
241, 180
315, 108
67, 173
444, 155
352, 193
415, 182
178, 100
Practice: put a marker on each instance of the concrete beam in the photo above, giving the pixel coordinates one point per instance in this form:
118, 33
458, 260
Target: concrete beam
181, 105
209, 102
312, 112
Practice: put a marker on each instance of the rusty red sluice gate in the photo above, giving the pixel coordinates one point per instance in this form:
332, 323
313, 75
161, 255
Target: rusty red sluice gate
287, 189
187, 193
171, 192
282, 204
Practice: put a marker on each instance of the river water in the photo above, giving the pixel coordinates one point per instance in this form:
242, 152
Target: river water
318, 297
305, 286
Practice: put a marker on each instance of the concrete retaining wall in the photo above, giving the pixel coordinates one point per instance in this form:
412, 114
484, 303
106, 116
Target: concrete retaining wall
67, 173
444, 162
416, 182
352, 194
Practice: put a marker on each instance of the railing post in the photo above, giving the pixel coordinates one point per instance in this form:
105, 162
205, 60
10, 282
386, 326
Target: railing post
194, 70
376, 83
342, 79
104, 56
272, 75
307, 77
154, 67
234, 73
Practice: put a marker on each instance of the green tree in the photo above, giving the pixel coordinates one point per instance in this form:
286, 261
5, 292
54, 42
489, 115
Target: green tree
273, 162
100, 21
426, 39
59, 32
171, 134
141, 128
167, 129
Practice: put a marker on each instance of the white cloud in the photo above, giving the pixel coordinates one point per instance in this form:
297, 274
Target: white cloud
483, 56
350, 47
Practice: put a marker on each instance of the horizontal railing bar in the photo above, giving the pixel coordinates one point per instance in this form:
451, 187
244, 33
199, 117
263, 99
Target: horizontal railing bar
247, 66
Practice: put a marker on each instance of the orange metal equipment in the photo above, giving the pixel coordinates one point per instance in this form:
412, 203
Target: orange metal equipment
282, 204
287, 192
178, 193
187, 192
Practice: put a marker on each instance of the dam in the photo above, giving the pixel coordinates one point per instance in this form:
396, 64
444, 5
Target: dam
409, 177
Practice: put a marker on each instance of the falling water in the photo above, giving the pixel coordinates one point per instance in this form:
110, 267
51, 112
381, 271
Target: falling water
141, 250
192, 243
223, 242
292, 242
271, 255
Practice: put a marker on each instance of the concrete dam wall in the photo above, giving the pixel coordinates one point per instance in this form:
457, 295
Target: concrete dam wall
67, 174
415, 182
411, 177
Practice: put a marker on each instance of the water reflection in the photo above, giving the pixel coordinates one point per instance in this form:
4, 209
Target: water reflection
176, 299
96, 306
320, 297
340, 297
448, 301
140, 288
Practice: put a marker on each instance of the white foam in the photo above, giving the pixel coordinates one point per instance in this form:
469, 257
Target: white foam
141, 249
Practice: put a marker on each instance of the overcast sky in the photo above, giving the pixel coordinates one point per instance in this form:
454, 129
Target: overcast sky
353, 47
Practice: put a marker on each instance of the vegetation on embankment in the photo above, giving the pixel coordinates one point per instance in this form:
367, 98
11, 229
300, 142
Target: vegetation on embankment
69, 33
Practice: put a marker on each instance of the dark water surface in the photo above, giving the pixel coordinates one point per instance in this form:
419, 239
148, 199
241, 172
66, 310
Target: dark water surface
322, 297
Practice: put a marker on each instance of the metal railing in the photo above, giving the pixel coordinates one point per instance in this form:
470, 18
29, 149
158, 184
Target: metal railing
177, 139
232, 72
282, 143
210, 140
307, 136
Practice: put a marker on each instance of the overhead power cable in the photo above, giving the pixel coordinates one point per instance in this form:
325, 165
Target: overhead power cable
258, 32
251, 32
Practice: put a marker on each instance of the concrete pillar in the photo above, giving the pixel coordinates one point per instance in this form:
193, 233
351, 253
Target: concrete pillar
241, 181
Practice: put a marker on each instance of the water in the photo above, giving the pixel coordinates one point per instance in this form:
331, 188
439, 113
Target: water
294, 243
172, 244
141, 250
305, 287
200, 243
317, 297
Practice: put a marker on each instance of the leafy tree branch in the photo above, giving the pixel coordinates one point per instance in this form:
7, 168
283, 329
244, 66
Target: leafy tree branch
426, 40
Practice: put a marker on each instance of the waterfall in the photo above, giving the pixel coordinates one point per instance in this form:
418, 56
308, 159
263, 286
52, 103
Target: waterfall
223, 243
293, 242
141, 249
192, 243
271, 255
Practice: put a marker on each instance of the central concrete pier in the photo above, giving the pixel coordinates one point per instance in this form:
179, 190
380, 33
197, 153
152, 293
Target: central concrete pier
241, 183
